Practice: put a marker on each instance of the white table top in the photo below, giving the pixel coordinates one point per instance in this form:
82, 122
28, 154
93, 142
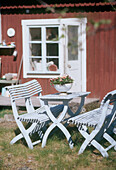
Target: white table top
60, 96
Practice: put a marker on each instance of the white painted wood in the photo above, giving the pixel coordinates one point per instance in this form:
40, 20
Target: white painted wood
25, 51
58, 121
0, 27
110, 140
10, 46
78, 71
43, 72
37, 117
77, 68
73, 67
79, 107
52, 21
83, 57
102, 119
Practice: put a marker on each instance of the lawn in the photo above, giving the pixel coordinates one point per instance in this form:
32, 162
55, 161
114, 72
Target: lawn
56, 155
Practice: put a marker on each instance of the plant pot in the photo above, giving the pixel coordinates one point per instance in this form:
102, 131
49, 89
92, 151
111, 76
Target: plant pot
63, 88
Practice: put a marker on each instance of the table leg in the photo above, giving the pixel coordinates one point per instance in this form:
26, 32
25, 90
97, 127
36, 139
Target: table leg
67, 134
79, 108
63, 129
51, 127
56, 122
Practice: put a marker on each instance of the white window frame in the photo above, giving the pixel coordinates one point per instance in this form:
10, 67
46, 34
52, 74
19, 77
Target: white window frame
0, 28
52, 22
43, 42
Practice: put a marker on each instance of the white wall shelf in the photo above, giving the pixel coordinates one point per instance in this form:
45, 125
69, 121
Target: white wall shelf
10, 46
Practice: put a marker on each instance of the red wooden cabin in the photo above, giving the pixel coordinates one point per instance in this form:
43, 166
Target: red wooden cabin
77, 37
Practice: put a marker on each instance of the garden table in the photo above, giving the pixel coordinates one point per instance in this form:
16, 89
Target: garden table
58, 122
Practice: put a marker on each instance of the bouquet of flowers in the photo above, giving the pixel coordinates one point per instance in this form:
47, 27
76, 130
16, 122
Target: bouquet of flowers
61, 80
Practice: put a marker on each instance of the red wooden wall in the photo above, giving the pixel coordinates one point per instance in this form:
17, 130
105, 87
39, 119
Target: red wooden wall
101, 50
101, 56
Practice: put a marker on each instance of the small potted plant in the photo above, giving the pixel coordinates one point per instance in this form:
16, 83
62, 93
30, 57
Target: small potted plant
62, 83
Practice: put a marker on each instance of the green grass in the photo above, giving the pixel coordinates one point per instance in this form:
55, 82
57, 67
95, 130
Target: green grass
56, 155
92, 106
5, 111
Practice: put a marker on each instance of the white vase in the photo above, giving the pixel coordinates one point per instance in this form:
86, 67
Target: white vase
63, 88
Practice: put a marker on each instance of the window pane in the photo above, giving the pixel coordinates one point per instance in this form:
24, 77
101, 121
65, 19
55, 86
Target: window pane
52, 49
35, 49
51, 33
35, 64
35, 34
72, 42
52, 64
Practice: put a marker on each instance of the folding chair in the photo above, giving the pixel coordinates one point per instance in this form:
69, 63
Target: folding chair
102, 120
38, 118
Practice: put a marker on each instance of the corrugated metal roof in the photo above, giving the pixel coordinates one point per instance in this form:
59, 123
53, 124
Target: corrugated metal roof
35, 2
59, 5
34, 5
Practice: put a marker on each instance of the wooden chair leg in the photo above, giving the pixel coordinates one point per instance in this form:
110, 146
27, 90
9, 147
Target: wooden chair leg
110, 140
25, 134
16, 138
89, 139
100, 148
20, 136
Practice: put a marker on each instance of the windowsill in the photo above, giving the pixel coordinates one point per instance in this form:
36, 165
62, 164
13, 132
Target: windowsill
42, 75
36, 73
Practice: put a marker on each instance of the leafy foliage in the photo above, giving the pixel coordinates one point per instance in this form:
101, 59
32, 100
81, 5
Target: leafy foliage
61, 80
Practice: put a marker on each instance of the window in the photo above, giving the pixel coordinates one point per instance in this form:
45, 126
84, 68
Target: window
72, 43
43, 47
47, 46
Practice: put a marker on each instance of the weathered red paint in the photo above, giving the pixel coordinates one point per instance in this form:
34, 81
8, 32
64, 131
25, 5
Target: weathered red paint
101, 51
101, 56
